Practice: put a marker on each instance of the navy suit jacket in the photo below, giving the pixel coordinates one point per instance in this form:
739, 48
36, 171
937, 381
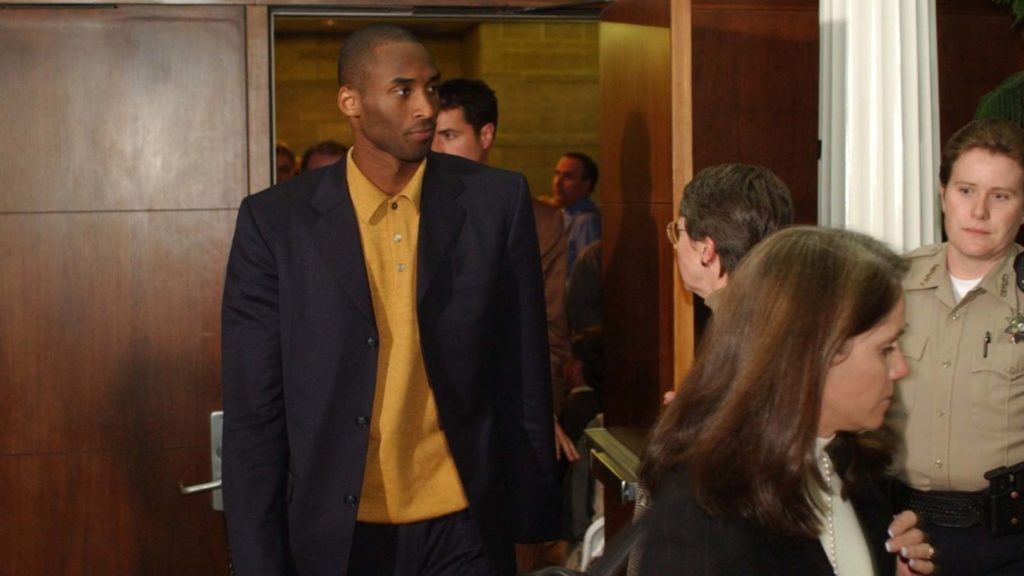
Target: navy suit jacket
300, 364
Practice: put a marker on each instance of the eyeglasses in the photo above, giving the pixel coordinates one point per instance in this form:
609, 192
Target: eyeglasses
672, 230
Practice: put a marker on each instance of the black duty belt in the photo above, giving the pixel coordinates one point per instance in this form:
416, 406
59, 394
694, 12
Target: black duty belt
949, 509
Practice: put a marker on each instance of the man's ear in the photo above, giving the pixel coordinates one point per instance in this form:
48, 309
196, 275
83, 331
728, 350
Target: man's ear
348, 101
708, 251
487, 135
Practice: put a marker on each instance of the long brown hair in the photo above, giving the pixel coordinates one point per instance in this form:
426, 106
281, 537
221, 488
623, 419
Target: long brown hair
743, 425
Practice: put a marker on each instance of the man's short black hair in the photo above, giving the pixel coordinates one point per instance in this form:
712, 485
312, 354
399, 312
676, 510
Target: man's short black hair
589, 166
477, 100
329, 147
358, 47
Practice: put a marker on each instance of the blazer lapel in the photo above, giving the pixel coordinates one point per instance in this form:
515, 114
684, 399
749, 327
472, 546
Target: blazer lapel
336, 235
441, 219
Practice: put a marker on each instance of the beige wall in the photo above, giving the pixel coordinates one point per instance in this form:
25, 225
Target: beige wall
545, 75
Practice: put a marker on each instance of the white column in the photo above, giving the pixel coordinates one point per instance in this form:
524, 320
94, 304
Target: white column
879, 120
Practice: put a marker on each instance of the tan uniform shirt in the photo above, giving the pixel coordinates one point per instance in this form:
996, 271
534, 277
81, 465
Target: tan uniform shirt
960, 411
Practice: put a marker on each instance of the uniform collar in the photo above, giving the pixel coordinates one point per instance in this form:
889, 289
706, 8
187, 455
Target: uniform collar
933, 274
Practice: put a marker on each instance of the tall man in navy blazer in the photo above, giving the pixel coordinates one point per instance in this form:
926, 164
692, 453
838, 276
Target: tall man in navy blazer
321, 474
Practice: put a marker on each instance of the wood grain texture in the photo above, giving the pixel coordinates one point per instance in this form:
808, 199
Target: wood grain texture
110, 334
637, 195
755, 95
639, 12
261, 143
108, 513
124, 160
104, 110
637, 301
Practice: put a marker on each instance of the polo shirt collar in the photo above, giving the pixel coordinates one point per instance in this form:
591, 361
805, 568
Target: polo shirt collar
367, 198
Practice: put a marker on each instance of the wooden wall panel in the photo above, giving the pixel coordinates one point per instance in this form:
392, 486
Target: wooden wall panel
642, 12
977, 50
154, 127
110, 338
637, 170
123, 160
108, 513
755, 91
636, 131
637, 299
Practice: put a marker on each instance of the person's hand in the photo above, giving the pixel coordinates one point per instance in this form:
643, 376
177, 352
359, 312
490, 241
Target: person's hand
668, 397
564, 445
915, 555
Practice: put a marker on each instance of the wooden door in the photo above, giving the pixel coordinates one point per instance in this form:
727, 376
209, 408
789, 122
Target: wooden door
123, 159
645, 159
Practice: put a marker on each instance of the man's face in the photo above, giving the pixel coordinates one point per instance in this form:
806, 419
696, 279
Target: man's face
983, 207
568, 185
456, 136
394, 108
696, 277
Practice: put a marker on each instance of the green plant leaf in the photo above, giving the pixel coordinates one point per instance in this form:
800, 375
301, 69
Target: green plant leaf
1006, 101
1016, 7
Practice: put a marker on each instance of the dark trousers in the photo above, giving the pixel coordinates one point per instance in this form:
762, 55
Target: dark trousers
973, 552
445, 546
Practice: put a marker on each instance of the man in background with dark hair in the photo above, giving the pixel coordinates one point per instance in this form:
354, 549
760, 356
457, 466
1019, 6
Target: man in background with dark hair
466, 126
323, 153
386, 384
468, 120
573, 183
284, 163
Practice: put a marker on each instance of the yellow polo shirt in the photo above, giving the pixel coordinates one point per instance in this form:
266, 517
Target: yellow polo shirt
410, 475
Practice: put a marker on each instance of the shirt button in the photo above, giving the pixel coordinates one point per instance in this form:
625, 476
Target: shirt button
945, 363
956, 316
394, 205
350, 499
398, 238
401, 267
363, 421
371, 342
938, 463
940, 413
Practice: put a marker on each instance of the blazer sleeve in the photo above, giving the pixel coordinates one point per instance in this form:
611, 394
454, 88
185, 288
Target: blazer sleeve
255, 452
534, 478
682, 539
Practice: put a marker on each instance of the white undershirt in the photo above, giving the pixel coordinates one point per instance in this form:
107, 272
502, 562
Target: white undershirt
852, 555
961, 287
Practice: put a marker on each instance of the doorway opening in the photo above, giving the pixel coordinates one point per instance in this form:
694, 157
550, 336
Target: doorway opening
542, 66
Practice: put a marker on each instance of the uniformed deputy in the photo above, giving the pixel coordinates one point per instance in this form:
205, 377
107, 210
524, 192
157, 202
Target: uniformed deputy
960, 412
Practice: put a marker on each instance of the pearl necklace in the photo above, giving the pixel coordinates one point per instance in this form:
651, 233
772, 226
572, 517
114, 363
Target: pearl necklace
830, 528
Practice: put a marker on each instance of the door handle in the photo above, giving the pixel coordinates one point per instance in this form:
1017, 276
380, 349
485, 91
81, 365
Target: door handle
214, 485
198, 488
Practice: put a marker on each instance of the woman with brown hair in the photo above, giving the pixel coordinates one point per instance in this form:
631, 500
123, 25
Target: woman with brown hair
760, 465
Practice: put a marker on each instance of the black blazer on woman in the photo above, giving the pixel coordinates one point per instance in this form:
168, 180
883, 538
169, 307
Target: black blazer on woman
684, 540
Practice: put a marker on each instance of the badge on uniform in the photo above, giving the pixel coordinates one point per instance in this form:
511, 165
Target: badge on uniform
1016, 328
